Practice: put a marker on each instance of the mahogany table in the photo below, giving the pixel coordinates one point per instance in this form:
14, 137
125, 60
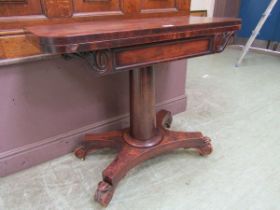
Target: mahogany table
136, 45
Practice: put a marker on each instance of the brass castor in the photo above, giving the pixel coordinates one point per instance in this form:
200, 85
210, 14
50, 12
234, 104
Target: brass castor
80, 152
207, 148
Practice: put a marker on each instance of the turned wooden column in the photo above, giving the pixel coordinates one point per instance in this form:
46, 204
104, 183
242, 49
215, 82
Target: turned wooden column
142, 104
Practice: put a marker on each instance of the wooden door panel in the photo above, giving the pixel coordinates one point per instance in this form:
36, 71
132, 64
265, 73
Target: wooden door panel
58, 8
88, 6
158, 4
17, 46
184, 5
152, 6
20, 7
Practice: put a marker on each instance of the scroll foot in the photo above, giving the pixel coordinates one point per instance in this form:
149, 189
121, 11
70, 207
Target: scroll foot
104, 193
80, 152
94, 142
164, 119
206, 149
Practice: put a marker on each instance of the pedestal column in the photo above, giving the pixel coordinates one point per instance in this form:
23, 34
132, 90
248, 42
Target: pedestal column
142, 104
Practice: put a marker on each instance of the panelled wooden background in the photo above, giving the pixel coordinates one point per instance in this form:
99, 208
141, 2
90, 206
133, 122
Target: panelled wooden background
227, 8
16, 14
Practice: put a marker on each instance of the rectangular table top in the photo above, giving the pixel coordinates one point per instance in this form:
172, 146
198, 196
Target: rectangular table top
126, 29
116, 45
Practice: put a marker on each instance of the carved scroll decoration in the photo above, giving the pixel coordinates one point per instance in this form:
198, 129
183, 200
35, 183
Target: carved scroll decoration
100, 61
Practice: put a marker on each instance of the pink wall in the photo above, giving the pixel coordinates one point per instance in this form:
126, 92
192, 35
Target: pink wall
47, 106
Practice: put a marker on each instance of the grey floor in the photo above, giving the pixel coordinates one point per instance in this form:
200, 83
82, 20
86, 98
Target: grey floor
237, 108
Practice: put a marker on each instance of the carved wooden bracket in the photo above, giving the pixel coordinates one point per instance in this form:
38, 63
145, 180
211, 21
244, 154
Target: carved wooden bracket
221, 40
100, 61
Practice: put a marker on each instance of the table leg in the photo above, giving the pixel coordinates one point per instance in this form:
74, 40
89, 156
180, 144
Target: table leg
147, 137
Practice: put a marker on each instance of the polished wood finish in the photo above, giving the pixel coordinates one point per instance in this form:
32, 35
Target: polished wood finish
58, 9
94, 34
142, 102
162, 52
10, 8
93, 6
136, 45
34, 12
130, 156
17, 46
48, 12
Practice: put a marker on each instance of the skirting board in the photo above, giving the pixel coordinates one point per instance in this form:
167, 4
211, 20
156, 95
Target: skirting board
30, 155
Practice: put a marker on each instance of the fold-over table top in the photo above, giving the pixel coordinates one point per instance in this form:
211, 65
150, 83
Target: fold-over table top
62, 38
